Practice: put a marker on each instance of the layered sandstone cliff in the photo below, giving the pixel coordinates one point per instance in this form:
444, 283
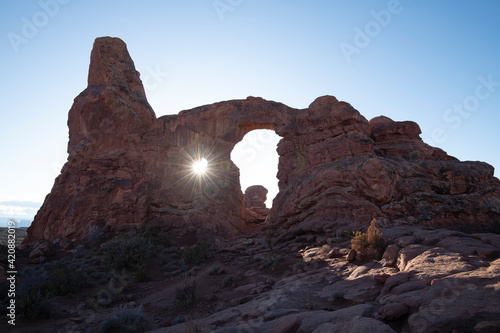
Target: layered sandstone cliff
127, 167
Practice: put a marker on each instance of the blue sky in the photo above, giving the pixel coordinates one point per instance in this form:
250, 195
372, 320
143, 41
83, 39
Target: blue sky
436, 63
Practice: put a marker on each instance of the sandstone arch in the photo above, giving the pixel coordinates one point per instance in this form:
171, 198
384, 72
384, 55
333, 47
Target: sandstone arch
127, 167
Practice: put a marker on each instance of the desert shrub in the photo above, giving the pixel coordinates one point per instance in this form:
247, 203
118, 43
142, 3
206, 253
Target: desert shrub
125, 319
374, 237
271, 261
32, 293
4, 290
34, 304
64, 281
196, 254
370, 243
126, 251
233, 278
496, 227
226, 281
142, 274
269, 243
348, 233
179, 320
95, 235
174, 268
193, 271
37, 285
359, 242
215, 270
324, 249
79, 252
414, 156
154, 235
131, 250
297, 267
192, 327
337, 295
186, 295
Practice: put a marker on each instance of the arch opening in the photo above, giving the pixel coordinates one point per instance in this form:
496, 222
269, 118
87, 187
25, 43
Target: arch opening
256, 157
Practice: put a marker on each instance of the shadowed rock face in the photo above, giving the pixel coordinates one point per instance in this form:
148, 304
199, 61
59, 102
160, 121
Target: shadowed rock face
126, 167
255, 207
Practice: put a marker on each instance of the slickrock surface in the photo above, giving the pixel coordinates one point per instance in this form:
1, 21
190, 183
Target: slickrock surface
438, 290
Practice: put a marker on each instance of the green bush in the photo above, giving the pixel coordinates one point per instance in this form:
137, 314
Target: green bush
196, 254
186, 295
125, 319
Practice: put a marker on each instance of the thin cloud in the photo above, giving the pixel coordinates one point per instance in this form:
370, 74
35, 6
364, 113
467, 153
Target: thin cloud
29, 204
16, 211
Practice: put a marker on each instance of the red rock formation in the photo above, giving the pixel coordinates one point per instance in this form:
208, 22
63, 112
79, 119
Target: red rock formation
127, 167
255, 206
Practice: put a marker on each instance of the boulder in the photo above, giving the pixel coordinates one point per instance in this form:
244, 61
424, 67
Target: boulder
408, 253
255, 207
390, 256
459, 298
287, 325
393, 311
488, 327
351, 255
355, 325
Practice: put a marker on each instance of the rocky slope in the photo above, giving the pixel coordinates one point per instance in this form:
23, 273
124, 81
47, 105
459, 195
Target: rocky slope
427, 281
126, 167
438, 281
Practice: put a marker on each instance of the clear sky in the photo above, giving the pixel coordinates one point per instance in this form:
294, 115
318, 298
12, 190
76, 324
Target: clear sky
433, 62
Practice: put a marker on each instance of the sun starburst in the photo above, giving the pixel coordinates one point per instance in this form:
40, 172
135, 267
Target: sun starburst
200, 166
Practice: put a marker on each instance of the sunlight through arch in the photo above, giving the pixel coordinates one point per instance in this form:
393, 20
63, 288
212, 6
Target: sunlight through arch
256, 157
200, 166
